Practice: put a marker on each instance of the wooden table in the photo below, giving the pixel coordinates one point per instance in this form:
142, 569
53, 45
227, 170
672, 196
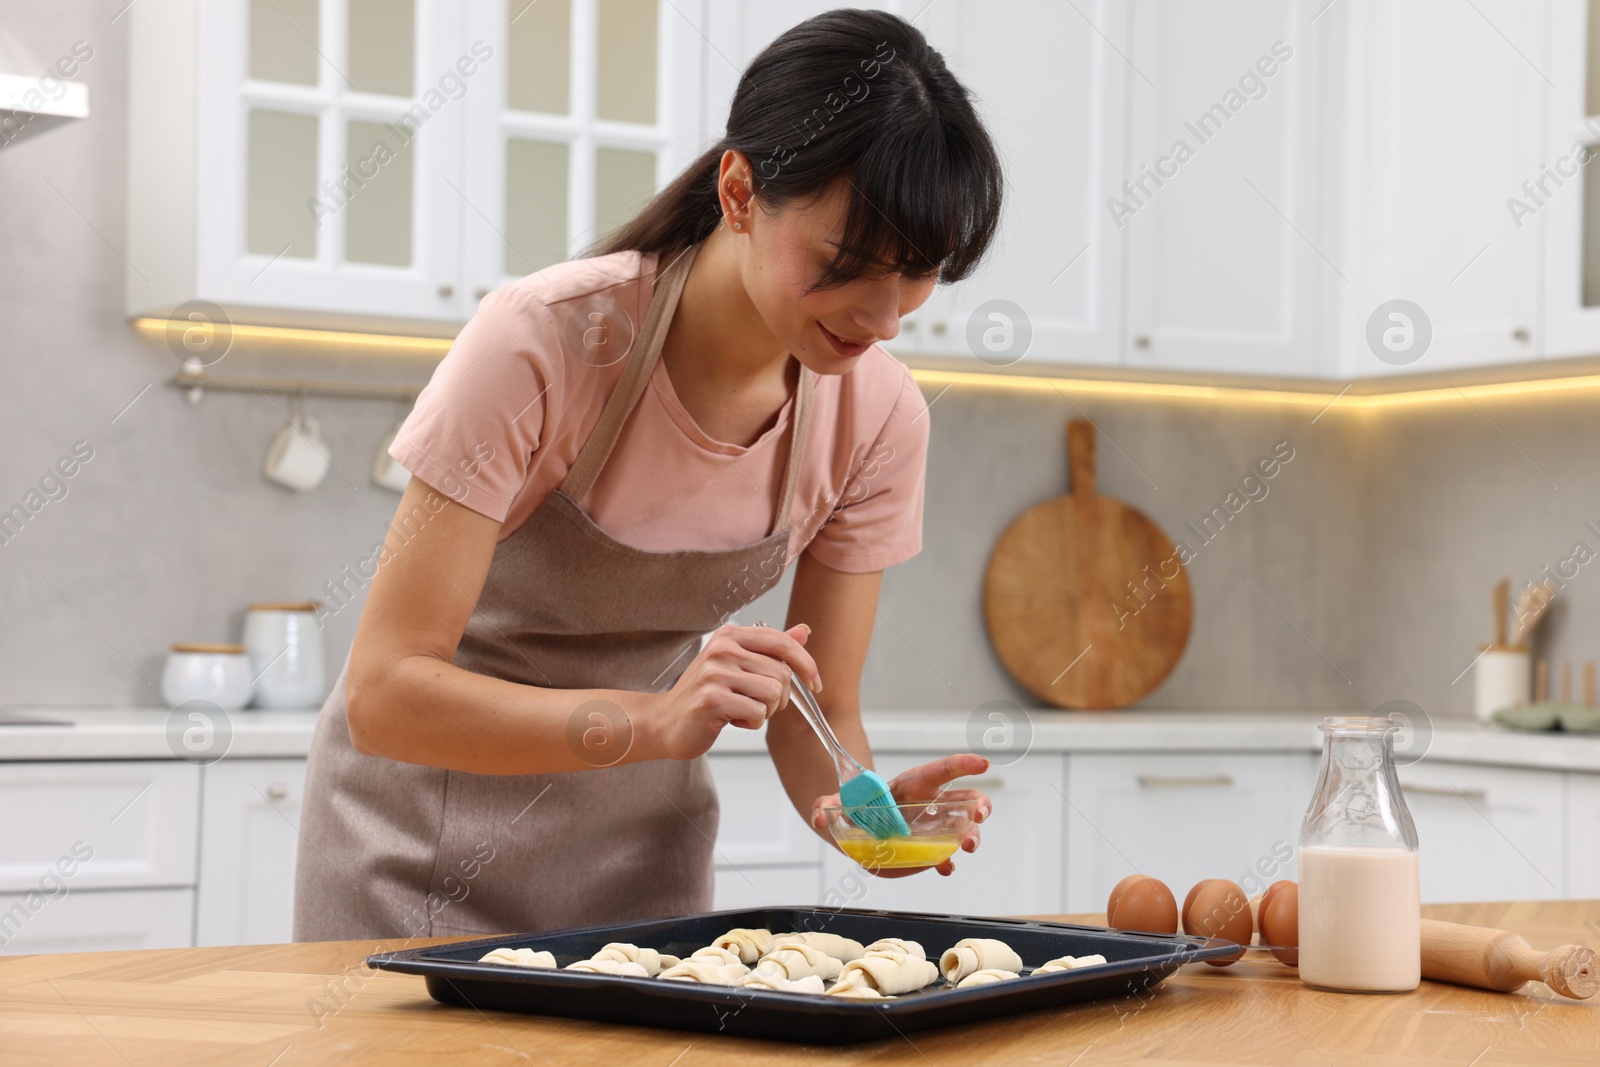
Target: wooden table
280, 1005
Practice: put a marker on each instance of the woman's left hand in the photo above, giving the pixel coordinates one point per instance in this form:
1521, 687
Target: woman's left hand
920, 784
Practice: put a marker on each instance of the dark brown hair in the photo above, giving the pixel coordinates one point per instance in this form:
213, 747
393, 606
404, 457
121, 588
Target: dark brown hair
858, 96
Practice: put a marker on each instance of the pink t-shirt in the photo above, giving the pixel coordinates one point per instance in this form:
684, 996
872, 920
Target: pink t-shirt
509, 407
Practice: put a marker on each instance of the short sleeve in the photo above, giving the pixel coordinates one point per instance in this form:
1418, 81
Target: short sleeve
477, 423
877, 521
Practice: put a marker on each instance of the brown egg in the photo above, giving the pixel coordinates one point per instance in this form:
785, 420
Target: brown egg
1140, 902
1280, 920
1217, 907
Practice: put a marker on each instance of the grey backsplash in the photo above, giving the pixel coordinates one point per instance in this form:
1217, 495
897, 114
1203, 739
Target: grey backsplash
1363, 576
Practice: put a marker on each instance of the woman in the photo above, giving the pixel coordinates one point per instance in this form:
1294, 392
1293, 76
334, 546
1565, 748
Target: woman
516, 741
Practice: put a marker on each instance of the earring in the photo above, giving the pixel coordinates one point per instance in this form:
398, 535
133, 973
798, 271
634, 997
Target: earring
738, 225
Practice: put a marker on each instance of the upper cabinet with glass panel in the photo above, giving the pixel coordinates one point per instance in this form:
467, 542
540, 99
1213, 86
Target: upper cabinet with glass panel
382, 164
597, 106
1565, 194
292, 192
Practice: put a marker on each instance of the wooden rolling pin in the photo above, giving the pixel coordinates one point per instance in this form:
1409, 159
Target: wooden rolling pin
1501, 960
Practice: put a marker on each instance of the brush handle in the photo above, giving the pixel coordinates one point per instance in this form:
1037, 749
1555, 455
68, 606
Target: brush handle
846, 765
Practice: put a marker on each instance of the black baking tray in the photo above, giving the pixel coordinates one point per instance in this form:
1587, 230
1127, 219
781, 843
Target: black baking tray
1135, 963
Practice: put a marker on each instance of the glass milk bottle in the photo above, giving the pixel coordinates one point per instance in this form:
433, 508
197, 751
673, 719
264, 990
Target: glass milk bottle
1360, 901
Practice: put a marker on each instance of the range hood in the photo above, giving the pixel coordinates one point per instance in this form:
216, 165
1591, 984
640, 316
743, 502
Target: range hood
35, 97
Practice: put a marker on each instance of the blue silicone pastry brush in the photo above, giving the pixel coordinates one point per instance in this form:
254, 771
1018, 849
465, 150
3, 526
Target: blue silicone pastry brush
863, 794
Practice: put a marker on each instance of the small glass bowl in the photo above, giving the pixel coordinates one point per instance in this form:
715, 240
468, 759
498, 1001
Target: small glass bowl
937, 830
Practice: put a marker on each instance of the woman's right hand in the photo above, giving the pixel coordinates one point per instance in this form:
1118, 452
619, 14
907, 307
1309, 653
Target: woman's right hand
740, 678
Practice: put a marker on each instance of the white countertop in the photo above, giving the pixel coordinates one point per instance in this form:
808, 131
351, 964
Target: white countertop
98, 733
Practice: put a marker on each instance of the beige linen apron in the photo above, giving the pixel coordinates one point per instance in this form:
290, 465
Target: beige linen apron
394, 850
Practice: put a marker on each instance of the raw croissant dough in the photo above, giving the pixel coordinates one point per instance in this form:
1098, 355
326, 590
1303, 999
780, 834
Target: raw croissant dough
986, 976
840, 948
711, 965
856, 992
519, 957
896, 946
760, 979
751, 945
600, 966
889, 966
973, 954
652, 961
792, 959
1067, 963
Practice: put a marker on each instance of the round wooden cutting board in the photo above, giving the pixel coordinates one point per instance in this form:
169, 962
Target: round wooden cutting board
1086, 600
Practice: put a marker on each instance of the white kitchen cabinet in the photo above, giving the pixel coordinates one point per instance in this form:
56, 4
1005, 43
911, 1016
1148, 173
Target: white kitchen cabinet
759, 887
112, 824
1016, 869
758, 826
1057, 257
296, 160
377, 164
96, 920
1566, 194
249, 838
765, 853
737, 30
591, 107
1488, 833
1444, 106
1223, 214
1181, 818
1583, 836
1054, 100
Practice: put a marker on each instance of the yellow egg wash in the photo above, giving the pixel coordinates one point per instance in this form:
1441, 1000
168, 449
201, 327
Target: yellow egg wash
875, 854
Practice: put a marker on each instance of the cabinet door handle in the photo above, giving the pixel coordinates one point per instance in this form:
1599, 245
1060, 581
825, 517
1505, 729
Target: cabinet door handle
1158, 781
446, 290
277, 791
1446, 791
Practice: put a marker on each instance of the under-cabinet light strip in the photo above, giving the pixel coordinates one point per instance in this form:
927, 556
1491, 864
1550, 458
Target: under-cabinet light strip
1108, 387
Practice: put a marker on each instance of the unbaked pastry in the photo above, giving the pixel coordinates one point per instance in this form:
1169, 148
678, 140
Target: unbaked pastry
760, 979
599, 966
711, 965
857, 992
985, 977
792, 959
891, 969
841, 948
706, 971
716, 954
1067, 963
750, 945
652, 961
973, 954
896, 946
519, 957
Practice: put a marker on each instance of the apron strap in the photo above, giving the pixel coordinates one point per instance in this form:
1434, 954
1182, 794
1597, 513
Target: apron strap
636, 376
799, 423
